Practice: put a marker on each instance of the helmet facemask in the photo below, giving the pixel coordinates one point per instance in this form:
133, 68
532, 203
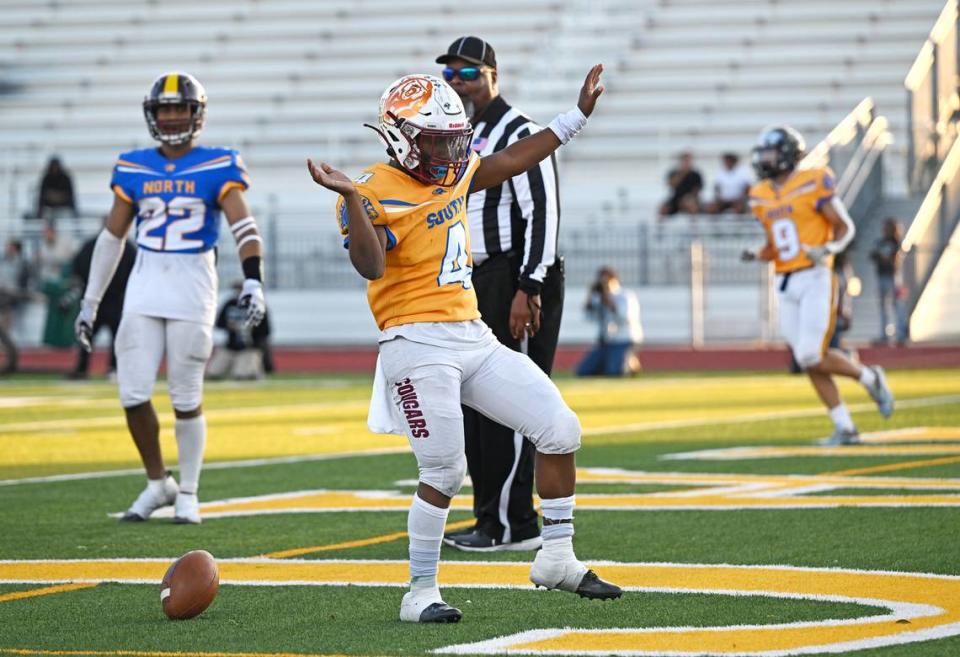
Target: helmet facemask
433, 143
174, 131
175, 89
778, 151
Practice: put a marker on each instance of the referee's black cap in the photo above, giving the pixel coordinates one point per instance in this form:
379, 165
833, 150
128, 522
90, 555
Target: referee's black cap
472, 49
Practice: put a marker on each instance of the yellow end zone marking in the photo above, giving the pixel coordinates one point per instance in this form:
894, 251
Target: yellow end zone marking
47, 590
892, 467
363, 542
930, 603
695, 491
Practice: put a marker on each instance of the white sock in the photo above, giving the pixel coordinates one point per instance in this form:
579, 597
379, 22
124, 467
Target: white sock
841, 417
425, 524
156, 486
867, 376
191, 438
558, 537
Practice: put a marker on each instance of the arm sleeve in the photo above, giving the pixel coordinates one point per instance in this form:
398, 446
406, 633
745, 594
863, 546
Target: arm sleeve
106, 256
842, 243
535, 193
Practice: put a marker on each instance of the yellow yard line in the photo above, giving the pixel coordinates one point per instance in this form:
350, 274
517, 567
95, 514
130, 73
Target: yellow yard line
363, 542
152, 653
47, 590
890, 467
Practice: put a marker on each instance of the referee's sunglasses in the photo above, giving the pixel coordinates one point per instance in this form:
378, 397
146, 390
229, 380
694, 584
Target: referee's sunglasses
467, 73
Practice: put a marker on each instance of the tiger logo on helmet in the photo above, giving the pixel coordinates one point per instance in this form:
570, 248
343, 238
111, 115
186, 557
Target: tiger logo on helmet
424, 127
175, 89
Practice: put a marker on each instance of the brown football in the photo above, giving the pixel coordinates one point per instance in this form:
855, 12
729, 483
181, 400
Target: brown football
190, 585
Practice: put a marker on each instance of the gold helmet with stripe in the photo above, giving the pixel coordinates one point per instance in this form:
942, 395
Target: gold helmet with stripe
175, 89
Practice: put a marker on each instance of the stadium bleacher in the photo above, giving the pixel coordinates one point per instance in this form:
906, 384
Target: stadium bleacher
292, 78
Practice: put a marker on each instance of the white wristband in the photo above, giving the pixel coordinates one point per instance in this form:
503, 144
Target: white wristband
567, 125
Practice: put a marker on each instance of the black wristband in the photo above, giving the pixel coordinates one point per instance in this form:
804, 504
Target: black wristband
253, 268
530, 286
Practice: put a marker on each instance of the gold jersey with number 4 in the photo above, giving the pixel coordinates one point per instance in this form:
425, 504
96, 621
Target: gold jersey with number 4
428, 267
791, 215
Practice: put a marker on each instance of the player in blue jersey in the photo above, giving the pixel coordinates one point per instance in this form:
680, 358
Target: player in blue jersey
175, 194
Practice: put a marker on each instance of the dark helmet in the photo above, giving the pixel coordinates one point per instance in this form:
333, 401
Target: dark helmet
778, 151
175, 89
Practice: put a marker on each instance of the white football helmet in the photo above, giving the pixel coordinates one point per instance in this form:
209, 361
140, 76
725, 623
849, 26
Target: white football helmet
425, 129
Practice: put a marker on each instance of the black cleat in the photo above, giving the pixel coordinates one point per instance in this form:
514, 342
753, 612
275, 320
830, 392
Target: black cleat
441, 612
477, 541
129, 516
451, 536
594, 588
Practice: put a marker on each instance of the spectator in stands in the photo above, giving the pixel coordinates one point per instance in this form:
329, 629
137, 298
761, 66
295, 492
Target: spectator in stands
617, 313
56, 198
685, 184
56, 250
111, 307
730, 186
14, 290
53, 267
246, 354
887, 259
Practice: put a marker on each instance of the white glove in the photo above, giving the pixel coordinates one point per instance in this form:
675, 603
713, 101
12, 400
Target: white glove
251, 299
817, 254
83, 326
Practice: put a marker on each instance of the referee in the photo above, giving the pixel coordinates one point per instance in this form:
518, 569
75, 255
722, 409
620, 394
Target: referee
519, 283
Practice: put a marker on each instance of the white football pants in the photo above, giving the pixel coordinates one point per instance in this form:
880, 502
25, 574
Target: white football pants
808, 312
428, 383
140, 345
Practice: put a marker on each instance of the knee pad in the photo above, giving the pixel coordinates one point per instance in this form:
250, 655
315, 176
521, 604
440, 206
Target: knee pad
446, 478
808, 359
185, 397
564, 434
134, 393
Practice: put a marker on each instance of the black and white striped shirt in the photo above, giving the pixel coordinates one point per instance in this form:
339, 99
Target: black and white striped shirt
522, 214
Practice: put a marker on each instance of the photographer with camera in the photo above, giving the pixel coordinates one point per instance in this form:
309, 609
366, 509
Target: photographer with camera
617, 313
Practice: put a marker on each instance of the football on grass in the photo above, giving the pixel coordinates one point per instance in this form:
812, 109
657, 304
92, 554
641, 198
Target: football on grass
190, 585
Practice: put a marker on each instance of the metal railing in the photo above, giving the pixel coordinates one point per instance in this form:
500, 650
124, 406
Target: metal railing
932, 100
933, 225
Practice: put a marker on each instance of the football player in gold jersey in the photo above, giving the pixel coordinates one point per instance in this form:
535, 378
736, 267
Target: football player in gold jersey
405, 225
806, 225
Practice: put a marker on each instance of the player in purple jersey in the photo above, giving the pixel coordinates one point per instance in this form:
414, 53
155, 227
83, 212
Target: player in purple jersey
175, 195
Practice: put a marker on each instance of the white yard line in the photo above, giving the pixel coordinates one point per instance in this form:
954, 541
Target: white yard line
217, 465
757, 417
215, 414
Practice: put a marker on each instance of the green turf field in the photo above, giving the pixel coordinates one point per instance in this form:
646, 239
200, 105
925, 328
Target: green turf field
702, 494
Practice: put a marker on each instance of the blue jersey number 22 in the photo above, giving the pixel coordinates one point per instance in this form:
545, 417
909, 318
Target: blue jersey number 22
163, 225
